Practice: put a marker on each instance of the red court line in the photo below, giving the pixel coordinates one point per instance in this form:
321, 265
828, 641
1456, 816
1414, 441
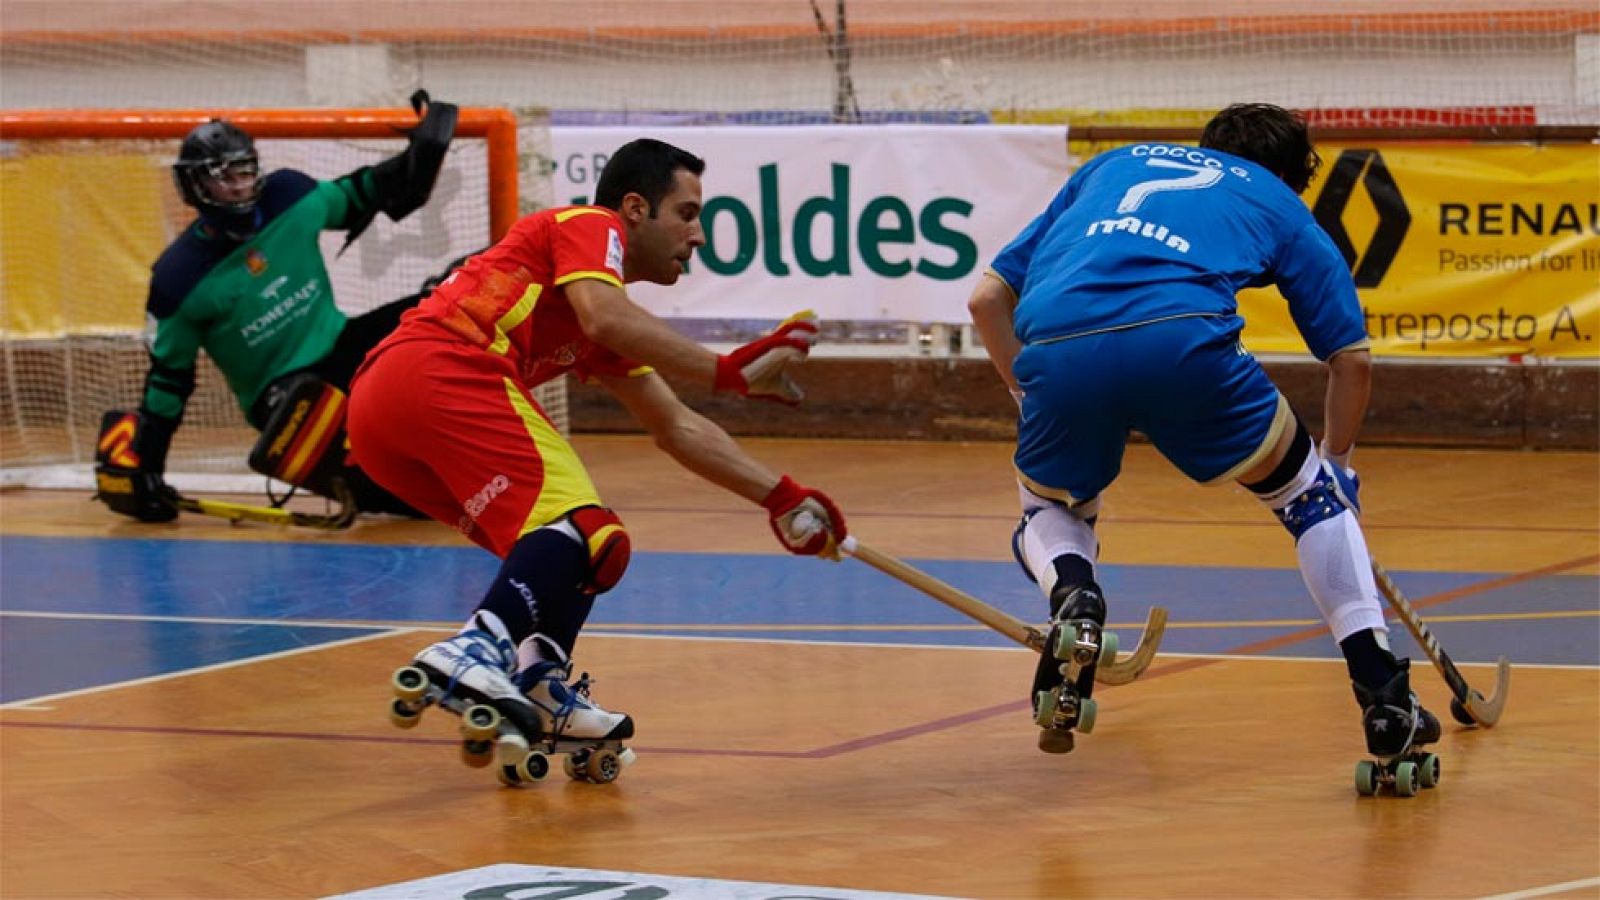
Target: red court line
1177, 667
362, 738
870, 741
1264, 521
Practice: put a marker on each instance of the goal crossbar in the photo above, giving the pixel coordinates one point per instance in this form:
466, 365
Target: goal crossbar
496, 127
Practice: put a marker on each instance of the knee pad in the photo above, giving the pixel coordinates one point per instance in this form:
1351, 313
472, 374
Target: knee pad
608, 546
1059, 529
303, 443
1016, 545
1330, 494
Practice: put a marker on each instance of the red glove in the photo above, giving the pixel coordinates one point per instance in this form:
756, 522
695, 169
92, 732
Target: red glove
760, 368
805, 520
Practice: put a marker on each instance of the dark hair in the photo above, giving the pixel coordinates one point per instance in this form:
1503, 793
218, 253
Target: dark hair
646, 167
1268, 135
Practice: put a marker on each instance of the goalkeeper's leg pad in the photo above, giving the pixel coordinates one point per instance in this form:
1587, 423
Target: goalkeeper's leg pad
304, 443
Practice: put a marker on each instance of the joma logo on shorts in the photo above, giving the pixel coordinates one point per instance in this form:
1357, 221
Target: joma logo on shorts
480, 501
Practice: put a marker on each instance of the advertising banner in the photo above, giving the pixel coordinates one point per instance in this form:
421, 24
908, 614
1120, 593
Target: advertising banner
858, 223
1459, 250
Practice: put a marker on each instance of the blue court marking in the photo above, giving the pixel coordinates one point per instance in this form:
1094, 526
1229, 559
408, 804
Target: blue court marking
41, 657
683, 594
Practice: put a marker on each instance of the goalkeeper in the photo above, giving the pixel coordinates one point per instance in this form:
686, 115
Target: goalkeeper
442, 413
247, 283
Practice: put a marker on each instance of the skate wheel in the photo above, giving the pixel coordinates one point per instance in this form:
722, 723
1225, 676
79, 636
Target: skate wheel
1428, 770
532, 767
1086, 712
1065, 643
1108, 648
1366, 778
1405, 779
603, 766
1460, 714
410, 683
403, 714
535, 767
477, 754
574, 765
480, 722
1044, 709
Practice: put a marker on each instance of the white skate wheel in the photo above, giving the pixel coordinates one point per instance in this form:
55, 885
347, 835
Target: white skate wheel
403, 714
410, 683
480, 722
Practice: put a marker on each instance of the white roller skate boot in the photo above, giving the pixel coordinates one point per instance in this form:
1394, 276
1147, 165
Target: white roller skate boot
575, 725
469, 674
1397, 727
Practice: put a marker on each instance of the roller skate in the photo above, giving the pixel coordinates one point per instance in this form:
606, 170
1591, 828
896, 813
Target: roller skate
1064, 680
572, 725
470, 675
1397, 728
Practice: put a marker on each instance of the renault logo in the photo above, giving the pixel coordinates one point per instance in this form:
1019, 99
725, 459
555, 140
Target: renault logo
1364, 167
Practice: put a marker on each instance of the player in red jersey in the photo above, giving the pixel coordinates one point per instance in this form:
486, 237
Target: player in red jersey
442, 415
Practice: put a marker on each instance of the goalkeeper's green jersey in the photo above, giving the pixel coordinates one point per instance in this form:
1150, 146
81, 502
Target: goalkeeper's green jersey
262, 308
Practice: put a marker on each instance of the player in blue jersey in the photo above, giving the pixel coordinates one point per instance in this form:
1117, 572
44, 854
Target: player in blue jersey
1114, 311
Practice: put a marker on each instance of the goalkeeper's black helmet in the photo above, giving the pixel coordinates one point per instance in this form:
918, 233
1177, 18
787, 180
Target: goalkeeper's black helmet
212, 152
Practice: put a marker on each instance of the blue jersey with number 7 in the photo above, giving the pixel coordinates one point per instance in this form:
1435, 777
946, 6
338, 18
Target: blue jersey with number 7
1154, 232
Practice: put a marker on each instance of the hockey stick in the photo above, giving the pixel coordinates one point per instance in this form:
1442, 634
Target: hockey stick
272, 515
1122, 671
1469, 706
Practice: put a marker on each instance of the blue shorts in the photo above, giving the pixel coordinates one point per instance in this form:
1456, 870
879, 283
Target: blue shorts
1187, 384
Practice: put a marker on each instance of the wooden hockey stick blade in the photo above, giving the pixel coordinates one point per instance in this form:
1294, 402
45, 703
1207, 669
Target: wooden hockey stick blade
1482, 710
1125, 668
1122, 671
267, 515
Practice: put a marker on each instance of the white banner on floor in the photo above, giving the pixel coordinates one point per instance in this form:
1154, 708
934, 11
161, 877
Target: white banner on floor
517, 882
858, 222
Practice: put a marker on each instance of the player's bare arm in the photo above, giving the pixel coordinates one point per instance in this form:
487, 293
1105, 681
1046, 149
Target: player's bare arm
1349, 388
697, 443
991, 305
609, 318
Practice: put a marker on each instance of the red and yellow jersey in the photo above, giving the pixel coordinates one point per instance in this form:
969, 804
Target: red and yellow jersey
510, 300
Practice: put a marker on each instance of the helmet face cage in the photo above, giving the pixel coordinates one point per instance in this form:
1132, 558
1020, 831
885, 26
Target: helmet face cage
213, 152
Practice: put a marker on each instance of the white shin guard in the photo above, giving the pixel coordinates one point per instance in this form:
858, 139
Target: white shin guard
1338, 572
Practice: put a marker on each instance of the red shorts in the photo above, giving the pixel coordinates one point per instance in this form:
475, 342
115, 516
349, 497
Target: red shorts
449, 429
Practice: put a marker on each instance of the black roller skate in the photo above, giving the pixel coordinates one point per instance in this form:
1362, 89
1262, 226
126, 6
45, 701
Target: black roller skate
1064, 680
1397, 727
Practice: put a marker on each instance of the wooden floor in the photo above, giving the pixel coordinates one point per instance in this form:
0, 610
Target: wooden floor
873, 765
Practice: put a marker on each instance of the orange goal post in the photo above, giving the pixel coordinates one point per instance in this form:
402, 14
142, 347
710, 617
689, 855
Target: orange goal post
88, 205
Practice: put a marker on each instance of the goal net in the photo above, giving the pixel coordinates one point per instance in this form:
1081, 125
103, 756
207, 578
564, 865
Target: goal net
89, 203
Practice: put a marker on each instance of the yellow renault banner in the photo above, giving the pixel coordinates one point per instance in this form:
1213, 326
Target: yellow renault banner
1458, 249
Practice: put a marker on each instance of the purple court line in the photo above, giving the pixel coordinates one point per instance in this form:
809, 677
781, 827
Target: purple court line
1256, 522
862, 743
360, 738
